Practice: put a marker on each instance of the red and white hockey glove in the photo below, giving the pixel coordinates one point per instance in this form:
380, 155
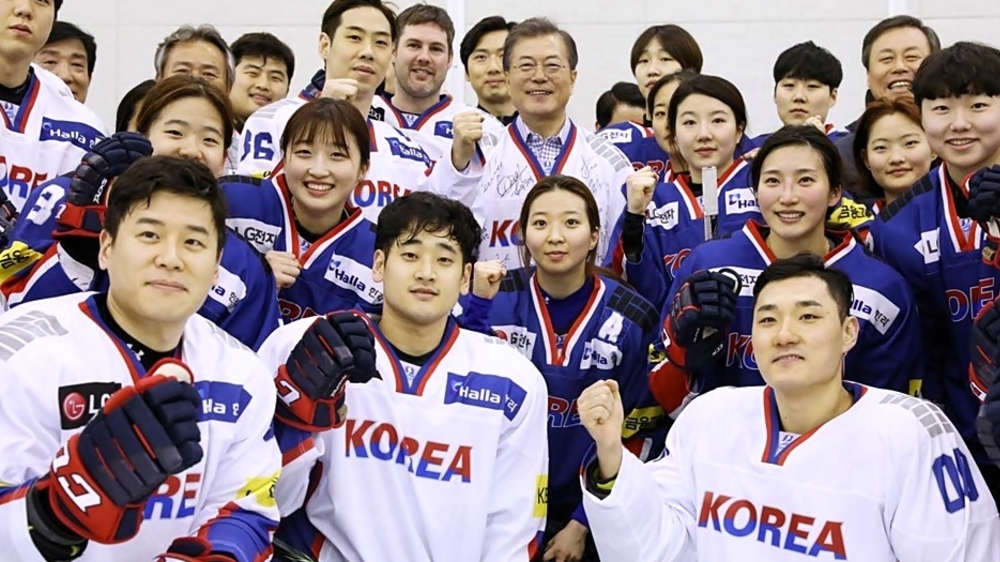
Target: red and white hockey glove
193, 549
702, 309
100, 480
335, 349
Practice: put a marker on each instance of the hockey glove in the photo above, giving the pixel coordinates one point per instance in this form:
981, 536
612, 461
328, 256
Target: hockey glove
100, 480
985, 338
83, 213
193, 549
335, 349
701, 311
988, 423
8, 214
984, 208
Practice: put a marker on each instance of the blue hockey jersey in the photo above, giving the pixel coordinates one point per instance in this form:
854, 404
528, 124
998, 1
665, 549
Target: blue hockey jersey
926, 235
888, 353
336, 270
609, 339
637, 143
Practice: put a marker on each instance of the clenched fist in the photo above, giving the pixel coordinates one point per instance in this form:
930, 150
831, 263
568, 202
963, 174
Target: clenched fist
340, 89
467, 130
602, 414
488, 275
639, 186
285, 266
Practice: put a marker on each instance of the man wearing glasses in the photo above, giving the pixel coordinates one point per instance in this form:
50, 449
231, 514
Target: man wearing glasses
540, 61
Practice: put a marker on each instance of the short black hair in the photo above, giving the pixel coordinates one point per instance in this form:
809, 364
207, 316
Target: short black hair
335, 11
809, 61
172, 174
896, 22
265, 46
63, 30
680, 77
622, 92
472, 37
963, 68
539, 27
420, 211
808, 264
800, 135
130, 101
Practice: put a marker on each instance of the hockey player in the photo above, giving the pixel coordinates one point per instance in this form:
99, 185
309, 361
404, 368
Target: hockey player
356, 44
54, 248
659, 51
446, 443
808, 465
797, 174
482, 56
576, 327
623, 102
44, 131
107, 457
422, 57
929, 234
806, 80
540, 60
318, 245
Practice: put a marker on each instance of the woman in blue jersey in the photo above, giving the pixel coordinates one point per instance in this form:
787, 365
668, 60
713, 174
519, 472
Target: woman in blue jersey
577, 327
797, 179
318, 245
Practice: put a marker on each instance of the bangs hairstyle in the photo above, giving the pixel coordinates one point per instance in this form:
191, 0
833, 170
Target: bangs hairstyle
808, 61
406, 217
325, 119
876, 110
680, 76
334, 13
63, 31
626, 93
178, 87
964, 68
800, 135
172, 174
675, 40
713, 87
808, 264
560, 183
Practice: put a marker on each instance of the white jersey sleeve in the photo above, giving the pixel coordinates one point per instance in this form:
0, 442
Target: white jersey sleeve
260, 144
650, 512
943, 511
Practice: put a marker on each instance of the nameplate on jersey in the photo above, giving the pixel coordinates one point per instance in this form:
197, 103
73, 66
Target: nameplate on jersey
403, 150
617, 136
221, 401
664, 217
351, 275
261, 235
444, 129
517, 337
741, 200
748, 278
228, 290
874, 307
485, 391
79, 403
78, 134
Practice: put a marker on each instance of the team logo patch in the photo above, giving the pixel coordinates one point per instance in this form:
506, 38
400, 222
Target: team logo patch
79, 403
78, 134
402, 150
222, 401
444, 129
485, 391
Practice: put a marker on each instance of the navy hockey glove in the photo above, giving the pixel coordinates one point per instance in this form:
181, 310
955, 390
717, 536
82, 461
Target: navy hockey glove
193, 549
335, 349
701, 311
8, 214
83, 213
984, 208
100, 480
988, 423
985, 355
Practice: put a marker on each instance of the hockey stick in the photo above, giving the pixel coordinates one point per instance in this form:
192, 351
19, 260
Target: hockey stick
709, 198
285, 553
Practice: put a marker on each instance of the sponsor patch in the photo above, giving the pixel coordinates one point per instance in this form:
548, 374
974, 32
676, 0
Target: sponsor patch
485, 391
79, 403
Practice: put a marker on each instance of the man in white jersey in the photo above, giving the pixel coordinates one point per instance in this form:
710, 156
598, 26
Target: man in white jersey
104, 454
44, 131
444, 444
540, 60
421, 60
809, 466
356, 44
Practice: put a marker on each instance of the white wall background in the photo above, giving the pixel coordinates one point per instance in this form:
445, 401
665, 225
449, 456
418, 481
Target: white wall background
739, 38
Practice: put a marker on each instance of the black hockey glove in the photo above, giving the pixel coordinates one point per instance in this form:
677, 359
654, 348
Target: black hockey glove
984, 208
8, 214
701, 311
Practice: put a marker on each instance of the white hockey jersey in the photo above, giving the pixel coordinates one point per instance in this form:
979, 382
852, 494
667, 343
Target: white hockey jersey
449, 466
889, 479
398, 164
432, 130
43, 137
512, 170
59, 363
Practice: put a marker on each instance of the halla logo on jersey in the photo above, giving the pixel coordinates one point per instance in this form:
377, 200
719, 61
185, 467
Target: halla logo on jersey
485, 391
424, 459
444, 129
349, 274
222, 401
79, 403
78, 134
408, 152
772, 525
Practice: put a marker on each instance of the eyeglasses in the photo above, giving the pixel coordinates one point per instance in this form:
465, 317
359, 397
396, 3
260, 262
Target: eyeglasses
529, 68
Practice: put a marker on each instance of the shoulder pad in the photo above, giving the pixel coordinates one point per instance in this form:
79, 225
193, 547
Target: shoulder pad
892, 209
928, 414
606, 150
634, 308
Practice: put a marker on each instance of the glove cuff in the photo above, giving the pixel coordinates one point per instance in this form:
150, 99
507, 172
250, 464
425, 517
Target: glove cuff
82, 221
991, 251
